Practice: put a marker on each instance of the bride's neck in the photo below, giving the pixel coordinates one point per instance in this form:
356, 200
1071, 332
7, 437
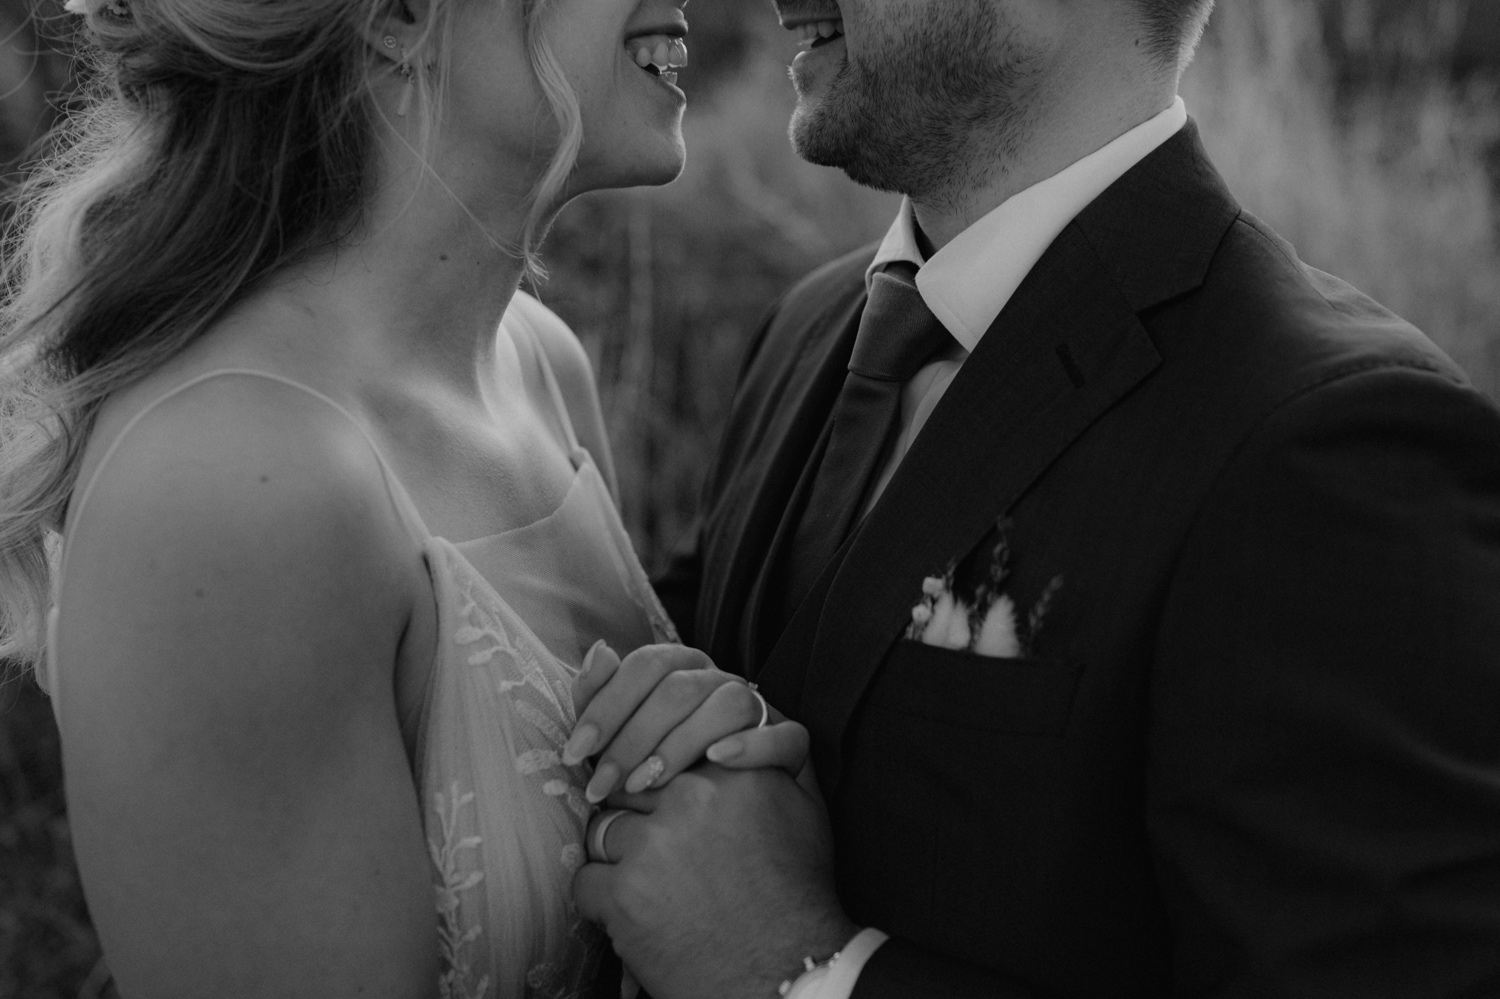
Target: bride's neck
422, 284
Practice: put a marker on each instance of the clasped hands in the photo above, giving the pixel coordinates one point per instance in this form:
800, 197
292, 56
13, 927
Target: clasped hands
719, 878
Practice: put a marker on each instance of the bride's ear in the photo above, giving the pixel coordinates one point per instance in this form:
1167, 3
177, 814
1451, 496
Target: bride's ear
399, 29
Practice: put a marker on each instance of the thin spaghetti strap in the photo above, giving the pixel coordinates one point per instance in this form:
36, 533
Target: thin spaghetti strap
553, 388
404, 505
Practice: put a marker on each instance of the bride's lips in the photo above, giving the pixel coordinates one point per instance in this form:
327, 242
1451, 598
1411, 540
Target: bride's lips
659, 49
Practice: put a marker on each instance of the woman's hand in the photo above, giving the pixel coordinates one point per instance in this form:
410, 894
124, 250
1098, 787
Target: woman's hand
663, 709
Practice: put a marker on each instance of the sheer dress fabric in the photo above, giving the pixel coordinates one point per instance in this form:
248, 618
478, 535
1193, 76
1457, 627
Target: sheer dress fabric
504, 819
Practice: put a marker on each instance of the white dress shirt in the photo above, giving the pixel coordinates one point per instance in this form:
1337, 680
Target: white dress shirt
966, 284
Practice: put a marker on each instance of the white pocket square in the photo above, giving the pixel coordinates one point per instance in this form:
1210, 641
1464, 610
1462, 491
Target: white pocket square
950, 623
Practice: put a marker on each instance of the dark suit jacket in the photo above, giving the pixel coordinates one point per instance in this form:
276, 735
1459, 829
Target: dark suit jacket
1255, 750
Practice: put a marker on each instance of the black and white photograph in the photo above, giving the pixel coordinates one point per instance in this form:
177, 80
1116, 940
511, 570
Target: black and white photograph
749, 499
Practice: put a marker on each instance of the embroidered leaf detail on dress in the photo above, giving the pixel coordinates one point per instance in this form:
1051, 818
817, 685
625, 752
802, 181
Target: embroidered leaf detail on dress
536, 760
453, 941
468, 634
541, 722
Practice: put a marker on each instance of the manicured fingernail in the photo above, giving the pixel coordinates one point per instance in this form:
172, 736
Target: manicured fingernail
603, 783
726, 750
646, 775
588, 657
579, 745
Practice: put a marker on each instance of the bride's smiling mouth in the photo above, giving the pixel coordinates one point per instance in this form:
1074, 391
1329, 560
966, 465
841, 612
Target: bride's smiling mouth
659, 50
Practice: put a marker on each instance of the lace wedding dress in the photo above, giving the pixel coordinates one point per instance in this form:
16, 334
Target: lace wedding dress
504, 819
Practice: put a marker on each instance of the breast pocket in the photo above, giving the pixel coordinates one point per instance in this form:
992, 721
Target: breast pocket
1026, 696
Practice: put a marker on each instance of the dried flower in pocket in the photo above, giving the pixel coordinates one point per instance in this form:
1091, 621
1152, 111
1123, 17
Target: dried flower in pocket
933, 589
987, 625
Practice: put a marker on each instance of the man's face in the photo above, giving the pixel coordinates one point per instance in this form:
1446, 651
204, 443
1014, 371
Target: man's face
913, 96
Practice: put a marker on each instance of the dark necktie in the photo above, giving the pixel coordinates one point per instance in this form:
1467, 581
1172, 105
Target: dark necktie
897, 335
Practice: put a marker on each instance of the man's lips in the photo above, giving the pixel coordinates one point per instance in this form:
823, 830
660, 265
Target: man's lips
800, 14
819, 33
816, 23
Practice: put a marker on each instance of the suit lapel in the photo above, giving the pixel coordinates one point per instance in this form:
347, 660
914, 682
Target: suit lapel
1066, 348
1014, 407
791, 512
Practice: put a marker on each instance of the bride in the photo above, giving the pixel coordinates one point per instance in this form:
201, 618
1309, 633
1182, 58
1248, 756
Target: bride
307, 511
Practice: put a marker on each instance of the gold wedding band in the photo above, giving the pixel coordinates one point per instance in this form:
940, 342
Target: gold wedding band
597, 852
765, 709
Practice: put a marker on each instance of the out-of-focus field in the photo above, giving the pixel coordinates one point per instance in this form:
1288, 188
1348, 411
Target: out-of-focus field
1366, 131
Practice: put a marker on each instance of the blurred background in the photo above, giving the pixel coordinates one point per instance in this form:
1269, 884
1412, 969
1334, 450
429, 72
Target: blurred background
1366, 131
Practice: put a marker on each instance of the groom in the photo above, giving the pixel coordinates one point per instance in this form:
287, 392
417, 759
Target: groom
1138, 583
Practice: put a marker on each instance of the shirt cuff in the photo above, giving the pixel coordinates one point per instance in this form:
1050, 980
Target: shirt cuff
838, 980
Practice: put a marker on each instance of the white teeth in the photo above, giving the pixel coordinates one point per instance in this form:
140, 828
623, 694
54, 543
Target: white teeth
809, 34
664, 52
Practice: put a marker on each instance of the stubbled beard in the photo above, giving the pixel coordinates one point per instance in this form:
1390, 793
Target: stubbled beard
935, 103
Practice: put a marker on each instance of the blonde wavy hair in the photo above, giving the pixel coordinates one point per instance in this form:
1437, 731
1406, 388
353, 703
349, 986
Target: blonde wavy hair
215, 143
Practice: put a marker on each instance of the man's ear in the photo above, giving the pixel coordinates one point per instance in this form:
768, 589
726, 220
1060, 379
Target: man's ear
399, 29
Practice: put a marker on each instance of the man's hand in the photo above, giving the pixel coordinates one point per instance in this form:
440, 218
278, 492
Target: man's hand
720, 884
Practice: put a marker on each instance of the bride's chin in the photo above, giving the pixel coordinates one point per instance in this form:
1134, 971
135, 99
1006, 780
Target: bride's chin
661, 166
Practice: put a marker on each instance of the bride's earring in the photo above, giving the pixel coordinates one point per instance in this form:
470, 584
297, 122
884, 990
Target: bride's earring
409, 75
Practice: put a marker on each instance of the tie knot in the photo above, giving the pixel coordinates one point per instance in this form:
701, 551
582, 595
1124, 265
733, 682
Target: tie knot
897, 332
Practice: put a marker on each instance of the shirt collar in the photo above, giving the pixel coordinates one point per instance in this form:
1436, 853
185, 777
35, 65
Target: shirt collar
967, 283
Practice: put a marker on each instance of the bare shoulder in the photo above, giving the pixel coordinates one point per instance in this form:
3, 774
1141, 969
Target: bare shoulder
229, 624
237, 505
234, 454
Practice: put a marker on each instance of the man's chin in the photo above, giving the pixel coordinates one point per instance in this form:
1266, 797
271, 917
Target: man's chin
813, 138
822, 140
825, 129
